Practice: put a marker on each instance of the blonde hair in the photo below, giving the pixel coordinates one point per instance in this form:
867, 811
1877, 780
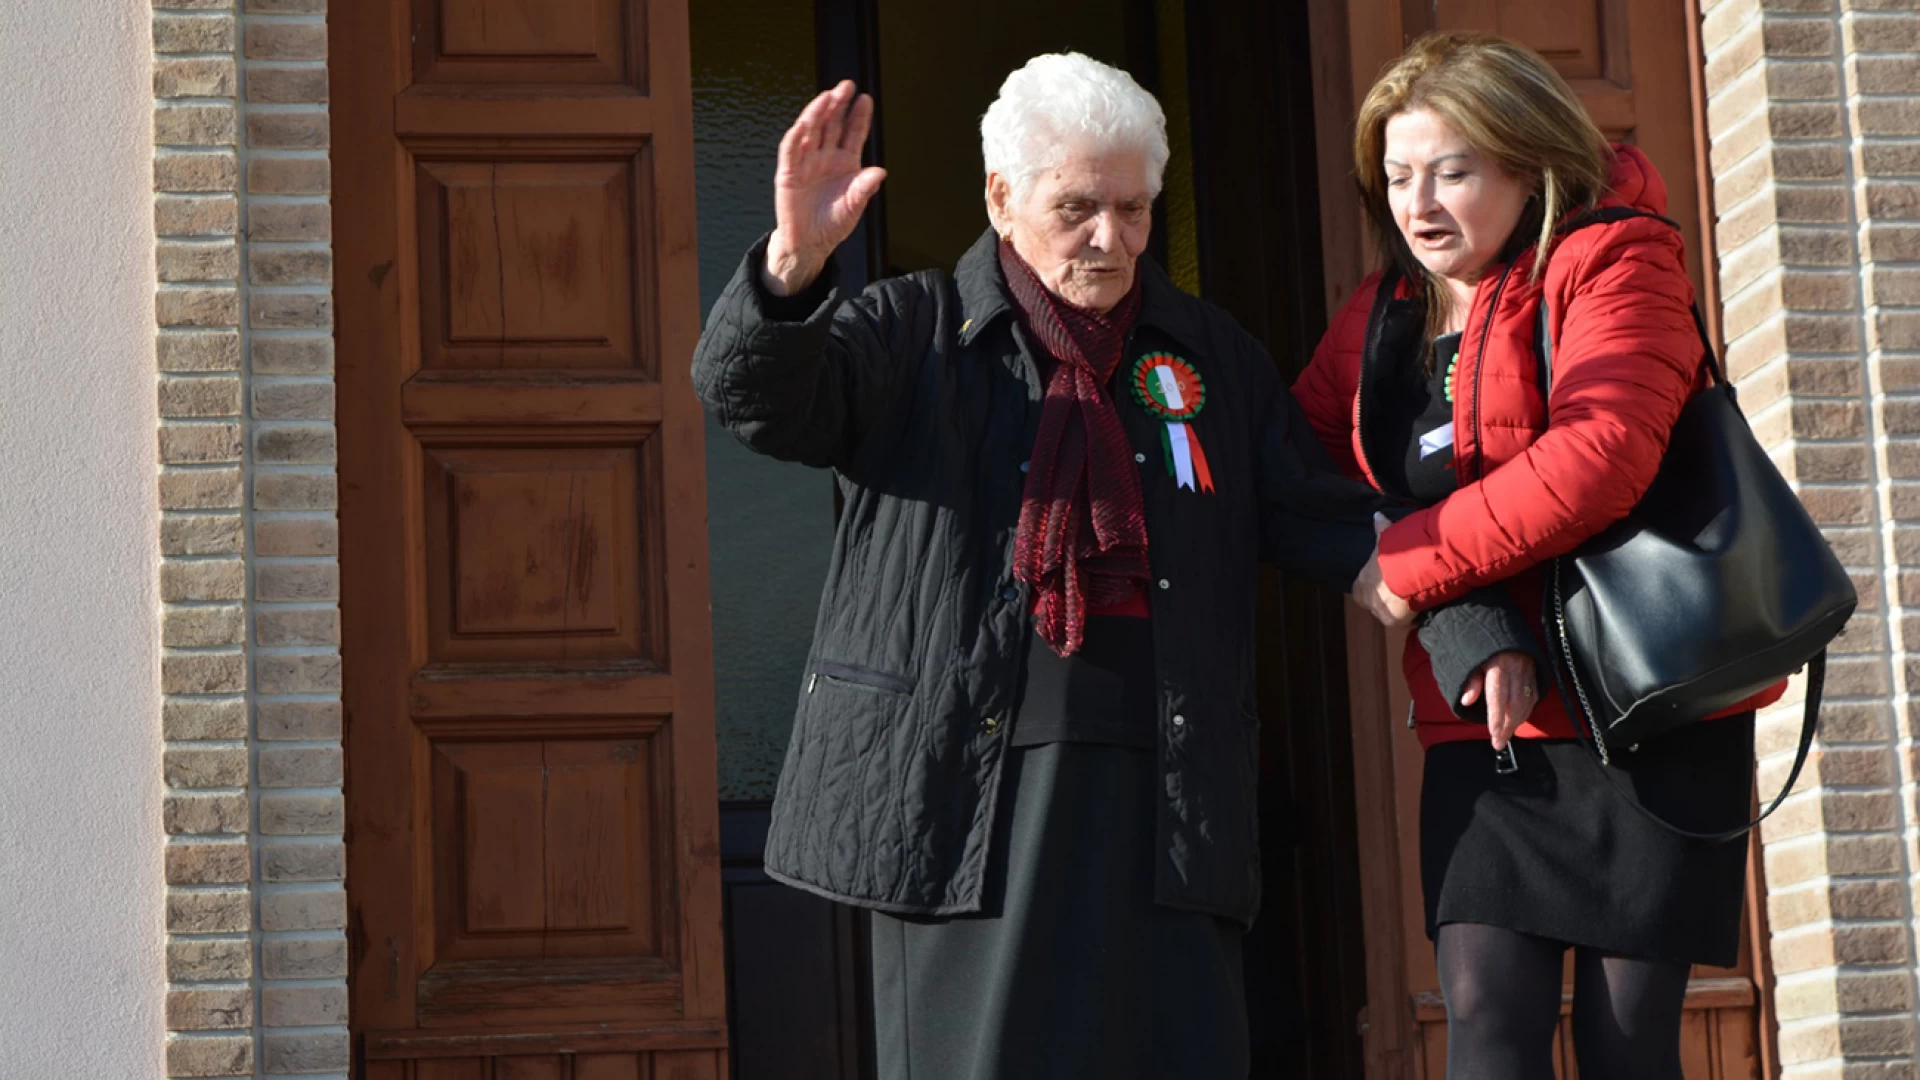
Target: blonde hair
1510, 104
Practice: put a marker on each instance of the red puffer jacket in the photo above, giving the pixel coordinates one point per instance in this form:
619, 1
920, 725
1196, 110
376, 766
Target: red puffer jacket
1534, 481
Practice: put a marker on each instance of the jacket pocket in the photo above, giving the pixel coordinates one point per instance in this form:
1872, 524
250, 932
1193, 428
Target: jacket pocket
850, 820
855, 677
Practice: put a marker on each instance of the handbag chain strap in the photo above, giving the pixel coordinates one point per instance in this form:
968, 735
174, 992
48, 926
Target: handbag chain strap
1599, 743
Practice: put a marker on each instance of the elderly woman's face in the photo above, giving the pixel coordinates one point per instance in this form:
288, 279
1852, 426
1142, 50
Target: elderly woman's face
1455, 206
1082, 226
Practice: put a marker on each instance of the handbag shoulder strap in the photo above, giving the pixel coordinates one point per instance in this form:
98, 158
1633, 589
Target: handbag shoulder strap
1559, 648
1543, 333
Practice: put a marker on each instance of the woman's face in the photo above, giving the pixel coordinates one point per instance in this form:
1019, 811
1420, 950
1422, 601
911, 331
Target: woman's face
1082, 226
1455, 206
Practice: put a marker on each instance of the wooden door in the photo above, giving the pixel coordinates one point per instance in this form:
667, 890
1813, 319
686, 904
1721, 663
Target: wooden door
1635, 65
533, 853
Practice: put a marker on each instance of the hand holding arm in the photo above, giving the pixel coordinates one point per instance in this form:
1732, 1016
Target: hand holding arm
1370, 589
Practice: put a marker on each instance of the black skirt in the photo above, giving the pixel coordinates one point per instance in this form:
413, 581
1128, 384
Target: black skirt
1072, 971
1554, 851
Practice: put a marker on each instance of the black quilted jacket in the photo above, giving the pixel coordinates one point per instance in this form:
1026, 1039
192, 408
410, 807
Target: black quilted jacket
922, 394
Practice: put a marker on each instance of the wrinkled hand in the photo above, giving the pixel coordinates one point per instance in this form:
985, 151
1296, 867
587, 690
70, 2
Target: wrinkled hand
1507, 682
1370, 589
819, 190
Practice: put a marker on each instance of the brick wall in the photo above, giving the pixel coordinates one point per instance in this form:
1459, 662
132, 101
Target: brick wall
256, 910
1814, 111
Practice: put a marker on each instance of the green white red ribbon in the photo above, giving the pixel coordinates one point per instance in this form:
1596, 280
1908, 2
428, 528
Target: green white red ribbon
1170, 388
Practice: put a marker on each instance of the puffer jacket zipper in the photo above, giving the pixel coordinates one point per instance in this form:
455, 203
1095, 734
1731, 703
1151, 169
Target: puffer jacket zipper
1479, 368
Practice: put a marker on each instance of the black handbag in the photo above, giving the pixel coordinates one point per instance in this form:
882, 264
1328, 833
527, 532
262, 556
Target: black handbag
1717, 585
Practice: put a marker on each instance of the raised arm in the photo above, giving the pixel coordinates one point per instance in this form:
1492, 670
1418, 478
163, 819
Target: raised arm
820, 189
784, 364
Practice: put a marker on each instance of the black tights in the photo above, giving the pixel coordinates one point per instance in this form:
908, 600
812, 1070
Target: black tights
1503, 1004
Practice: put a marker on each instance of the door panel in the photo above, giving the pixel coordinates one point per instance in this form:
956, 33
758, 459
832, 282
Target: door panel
1629, 61
532, 816
470, 43
537, 552
1568, 34
531, 263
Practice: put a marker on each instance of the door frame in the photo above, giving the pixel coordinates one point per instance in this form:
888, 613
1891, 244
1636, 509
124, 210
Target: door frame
1346, 51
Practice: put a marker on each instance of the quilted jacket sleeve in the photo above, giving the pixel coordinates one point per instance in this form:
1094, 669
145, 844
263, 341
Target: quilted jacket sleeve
1626, 358
1327, 387
1461, 636
1313, 521
804, 378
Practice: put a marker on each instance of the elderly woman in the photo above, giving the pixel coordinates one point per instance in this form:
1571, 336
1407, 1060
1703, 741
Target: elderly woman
1492, 194
1026, 738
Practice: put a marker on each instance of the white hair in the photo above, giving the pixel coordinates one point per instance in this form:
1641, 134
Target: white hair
1063, 101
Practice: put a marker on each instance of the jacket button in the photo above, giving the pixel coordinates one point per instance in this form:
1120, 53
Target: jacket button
991, 725
1010, 594
1140, 459
1179, 721
1165, 584
1025, 465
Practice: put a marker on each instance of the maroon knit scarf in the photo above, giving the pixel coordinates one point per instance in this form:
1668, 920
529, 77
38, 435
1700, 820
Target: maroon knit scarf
1083, 525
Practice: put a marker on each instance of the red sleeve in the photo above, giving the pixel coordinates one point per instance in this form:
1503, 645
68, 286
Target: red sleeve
1626, 358
1327, 387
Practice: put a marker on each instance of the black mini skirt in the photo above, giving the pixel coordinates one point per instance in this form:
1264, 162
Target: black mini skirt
1553, 850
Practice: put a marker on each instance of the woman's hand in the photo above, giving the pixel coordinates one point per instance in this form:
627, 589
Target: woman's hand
819, 190
1507, 683
1370, 589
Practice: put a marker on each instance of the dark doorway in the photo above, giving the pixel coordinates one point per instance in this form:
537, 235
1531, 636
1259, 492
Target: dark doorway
1237, 223
1258, 222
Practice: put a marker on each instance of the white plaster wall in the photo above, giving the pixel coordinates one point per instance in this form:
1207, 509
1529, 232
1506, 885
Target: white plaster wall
81, 977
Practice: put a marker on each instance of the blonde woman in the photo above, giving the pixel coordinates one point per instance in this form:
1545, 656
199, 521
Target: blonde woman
1491, 193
